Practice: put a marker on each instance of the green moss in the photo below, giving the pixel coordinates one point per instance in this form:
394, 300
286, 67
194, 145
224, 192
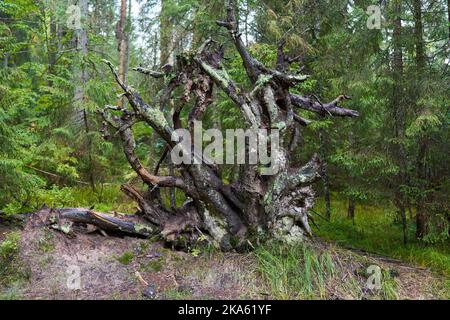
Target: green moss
220, 75
157, 117
126, 258
153, 265
173, 294
263, 79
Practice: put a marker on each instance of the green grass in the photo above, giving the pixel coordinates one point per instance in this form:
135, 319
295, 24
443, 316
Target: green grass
106, 198
11, 273
294, 272
153, 265
45, 242
376, 231
388, 286
174, 294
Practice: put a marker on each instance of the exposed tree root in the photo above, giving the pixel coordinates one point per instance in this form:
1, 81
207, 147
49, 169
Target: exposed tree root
255, 204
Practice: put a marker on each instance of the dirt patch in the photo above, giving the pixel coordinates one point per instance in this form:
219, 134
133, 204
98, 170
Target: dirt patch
114, 268
95, 266
84, 267
220, 276
3, 231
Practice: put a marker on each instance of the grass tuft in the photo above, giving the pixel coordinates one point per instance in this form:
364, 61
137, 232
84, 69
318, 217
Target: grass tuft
294, 272
126, 258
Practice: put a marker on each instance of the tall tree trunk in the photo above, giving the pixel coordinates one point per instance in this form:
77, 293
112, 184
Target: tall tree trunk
351, 209
398, 105
89, 147
81, 114
166, 43
52, 50
59, 37
420, 59
246, 17
122, 36
325, 180
421, 213
166, 56
448, 16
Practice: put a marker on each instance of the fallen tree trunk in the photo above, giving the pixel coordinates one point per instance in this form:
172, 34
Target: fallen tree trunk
12, 218
106, 222
69, 220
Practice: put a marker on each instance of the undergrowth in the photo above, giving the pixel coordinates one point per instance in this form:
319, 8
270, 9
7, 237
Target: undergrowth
377, 230
294, 272
12, 274
104, 198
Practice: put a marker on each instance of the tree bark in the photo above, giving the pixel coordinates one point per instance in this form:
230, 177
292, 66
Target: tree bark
351, 209
68, 220
81, 115
122, 37
81, 44
420, 59
399, 112
421, 209
326, 186
166, 45
448, 16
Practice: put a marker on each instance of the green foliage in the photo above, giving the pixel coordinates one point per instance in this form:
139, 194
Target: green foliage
9, 247
156, 265
175, 294
12, 273
105, 198
43, 141
388, 286
376, 231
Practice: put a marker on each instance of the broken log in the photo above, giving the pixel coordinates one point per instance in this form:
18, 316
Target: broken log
12, 218
65, 218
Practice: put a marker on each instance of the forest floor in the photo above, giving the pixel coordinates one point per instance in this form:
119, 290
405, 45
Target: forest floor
129, 268
3, 231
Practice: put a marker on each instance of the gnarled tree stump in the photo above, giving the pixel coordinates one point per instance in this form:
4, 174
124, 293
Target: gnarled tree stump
274, 206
